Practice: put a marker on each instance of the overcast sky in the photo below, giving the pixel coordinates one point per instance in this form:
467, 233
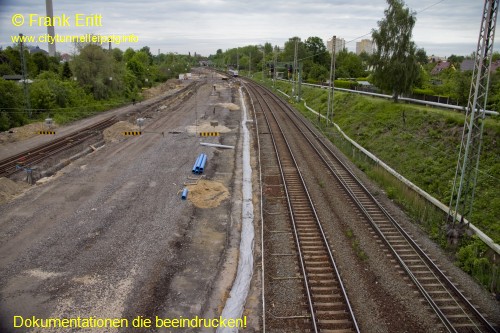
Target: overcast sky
443, 27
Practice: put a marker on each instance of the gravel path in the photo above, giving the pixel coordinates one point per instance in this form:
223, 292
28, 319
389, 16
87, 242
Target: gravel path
109, 236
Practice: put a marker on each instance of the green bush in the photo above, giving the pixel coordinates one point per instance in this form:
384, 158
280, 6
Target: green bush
11, 105
345, 84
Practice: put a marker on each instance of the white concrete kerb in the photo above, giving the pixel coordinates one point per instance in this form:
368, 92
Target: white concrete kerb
238, 295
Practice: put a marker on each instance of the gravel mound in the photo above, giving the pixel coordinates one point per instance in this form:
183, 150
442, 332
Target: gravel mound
9, 189
207, 193
115, 133
24, 132
207, 127
160, 89
229, 106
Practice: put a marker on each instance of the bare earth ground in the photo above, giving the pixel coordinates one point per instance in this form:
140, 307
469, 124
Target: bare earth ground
110, 237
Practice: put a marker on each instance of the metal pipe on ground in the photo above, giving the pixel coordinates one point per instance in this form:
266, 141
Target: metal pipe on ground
203, 163
198, 171
195, 166
184, 194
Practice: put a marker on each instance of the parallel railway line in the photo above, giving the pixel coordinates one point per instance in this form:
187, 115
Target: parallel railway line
329, 307
31, 157
34, 155
453, 309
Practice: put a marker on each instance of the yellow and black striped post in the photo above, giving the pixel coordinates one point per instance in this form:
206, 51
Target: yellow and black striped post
46, 132
209, 133
132, 133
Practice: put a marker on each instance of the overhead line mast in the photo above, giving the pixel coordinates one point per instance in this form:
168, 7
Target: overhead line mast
464, 184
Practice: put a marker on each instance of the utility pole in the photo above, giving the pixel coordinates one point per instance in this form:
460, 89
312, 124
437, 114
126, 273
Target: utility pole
27, 103
464, 184
300, 81
295, 67
250, 65
263, 62
330, 83
274, 66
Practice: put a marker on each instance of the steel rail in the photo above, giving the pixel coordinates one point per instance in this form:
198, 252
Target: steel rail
34, 155
421, 253
293, 220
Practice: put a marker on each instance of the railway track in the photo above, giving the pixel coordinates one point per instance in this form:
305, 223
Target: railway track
326, 298
453, 309
37, 154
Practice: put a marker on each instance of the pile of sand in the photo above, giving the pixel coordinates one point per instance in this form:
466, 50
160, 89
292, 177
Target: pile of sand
207, 193
25, 132
161, 88
229, 106
206, 127
115, 133
9, 189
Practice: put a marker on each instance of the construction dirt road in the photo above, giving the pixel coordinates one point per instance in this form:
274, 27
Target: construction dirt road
108, 237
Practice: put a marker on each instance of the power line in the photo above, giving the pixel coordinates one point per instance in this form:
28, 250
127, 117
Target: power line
369, 33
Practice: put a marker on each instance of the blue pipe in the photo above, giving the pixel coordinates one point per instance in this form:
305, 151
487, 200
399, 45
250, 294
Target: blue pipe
184, 194
195, 166
202, 163
202, 156
198, 166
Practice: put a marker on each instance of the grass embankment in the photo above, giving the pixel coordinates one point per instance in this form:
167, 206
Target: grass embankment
422, 144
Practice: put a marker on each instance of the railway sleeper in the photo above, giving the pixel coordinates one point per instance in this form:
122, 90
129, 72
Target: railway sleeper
451, 309
342, 330
310, 237
334, 324
323, 282
325, 314
309, 242
329, 306
320, 275
318, 270
327, 290
309, 232
459, 318
318, 263
307, 248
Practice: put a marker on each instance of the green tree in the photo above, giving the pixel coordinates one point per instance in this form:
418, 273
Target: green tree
349, 65
421, 56
11, 105
66, 71
41, 61
97, 71
288, 53
395, 62
317, 49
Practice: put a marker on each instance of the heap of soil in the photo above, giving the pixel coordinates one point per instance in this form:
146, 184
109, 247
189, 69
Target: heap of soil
206, 127
9, 189
115, 133
160, 89
207, 193
24, 132
229, 106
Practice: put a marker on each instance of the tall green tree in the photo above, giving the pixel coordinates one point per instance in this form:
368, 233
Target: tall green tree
395, 62
317, 48
11, 105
